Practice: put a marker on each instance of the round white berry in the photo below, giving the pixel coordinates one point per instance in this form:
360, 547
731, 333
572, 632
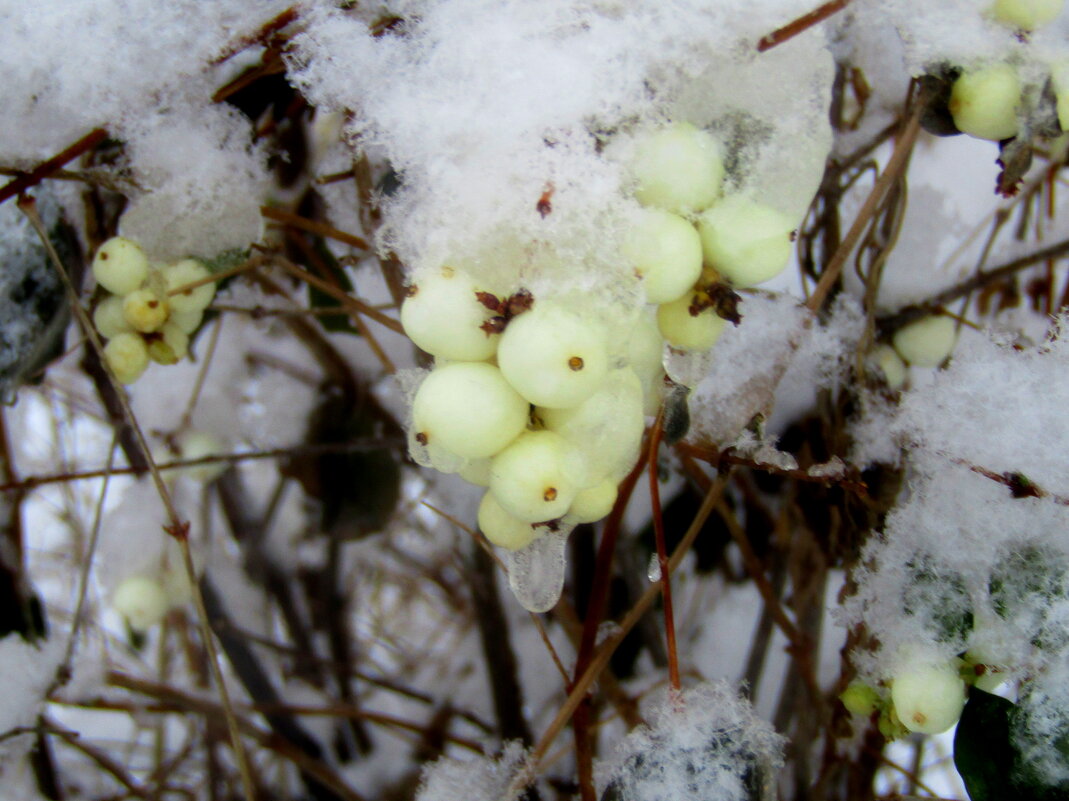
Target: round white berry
593, 503
193, 444
687, 331
503, 529
120, 266
169, 345
142, 601
984, 103
187, 321
678, 169
607, 427
537, 477
469, 409
746, 242
1060, 83
552, 356
477, 472
108, 317
926, 342
928, 697
145, 311
666, 251
444, 316
127, 356
186, 272
891, 365
1026, 14
645, 354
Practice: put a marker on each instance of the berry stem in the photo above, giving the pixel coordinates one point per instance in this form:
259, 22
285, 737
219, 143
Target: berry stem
662, 553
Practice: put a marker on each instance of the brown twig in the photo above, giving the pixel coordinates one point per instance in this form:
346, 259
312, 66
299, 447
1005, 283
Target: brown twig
803, 23
46, 168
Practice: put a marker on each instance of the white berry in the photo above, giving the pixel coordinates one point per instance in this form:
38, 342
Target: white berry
186, 272
169, 345
607, 427
1060, 84
686, 331
593, 503
984, 103
553, 356
537, 477
476, 472
108, 318
469, 409
891, 365
444, 316
926, 342
145, 311
928, 697
678, 169
666, 251
645, 353
1026, 14
127, 356
142, 601
187, 321
195, 444
120, 266
746, 242
501, 528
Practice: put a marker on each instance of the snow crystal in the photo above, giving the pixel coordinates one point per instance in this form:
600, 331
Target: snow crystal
706, 744
476, 779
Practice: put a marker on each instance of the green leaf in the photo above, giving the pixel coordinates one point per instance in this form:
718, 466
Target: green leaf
983, 753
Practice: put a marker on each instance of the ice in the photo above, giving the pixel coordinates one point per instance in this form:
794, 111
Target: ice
536, 572
653, 568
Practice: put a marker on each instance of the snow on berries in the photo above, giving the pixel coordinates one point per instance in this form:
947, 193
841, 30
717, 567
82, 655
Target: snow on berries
147, 312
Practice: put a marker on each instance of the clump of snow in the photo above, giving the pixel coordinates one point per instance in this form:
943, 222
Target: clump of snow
1039, 728
705, 744
29, 671
475, 779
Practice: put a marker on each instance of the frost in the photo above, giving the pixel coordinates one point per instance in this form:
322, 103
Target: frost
476, 779
705, 744
536, 572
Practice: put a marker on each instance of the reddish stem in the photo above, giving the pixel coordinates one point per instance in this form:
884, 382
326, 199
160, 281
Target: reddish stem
662, 555
804, 22
58, 161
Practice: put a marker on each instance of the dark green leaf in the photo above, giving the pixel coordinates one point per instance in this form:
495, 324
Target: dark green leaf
983, 753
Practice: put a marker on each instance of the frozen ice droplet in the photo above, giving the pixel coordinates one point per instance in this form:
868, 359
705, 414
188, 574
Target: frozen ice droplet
536, 572
653, 569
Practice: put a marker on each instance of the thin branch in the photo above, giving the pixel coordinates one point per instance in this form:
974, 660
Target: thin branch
803, 23
46, 168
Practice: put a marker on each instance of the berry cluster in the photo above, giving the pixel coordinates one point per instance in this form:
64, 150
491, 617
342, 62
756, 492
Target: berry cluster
148, 312
529, 398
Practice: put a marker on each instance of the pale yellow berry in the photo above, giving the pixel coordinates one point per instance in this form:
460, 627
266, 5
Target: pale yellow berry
188, 271
926, 342
142, 601
666, 251
145, 311
108, 317
891, 365
984, 103
745, 242
593, 503
120, 266
928, 698
127, 356
503, 529
187, 321
169, 345
537, 477
1026, 15
686, 331
678, 169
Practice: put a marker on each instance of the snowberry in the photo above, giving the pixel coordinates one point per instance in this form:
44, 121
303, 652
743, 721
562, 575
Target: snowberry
1060, 84
469, 409
187, 321
142, 601
181, 274
476, 472
145, 311
984, 103
108, 317
687, 331
746, 242
444, 316
678, 169
552, 356
860, 699
120, 266
926, 342
593, 503
537, 477
501, 528
607, 427
169, 345
645, 352
127, 356
928, 697
195, 444
891, 365
1026, 14
666, 251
